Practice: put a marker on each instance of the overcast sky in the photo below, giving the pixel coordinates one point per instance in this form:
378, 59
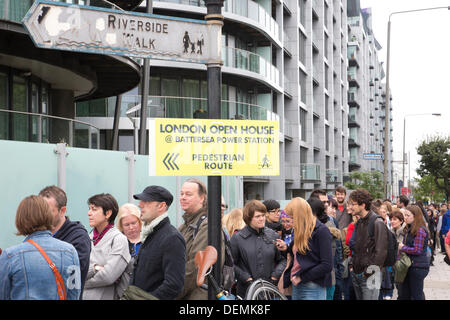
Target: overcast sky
419, 70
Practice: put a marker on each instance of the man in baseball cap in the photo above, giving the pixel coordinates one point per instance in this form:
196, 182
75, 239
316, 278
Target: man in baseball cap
155, 193
160, 242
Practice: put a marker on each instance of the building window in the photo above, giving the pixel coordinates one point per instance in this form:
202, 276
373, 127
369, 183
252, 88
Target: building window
4, 116
19, 103
303, 114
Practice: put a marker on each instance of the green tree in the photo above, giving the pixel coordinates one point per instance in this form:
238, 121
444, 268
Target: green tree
427, 190
435, 162
372, 181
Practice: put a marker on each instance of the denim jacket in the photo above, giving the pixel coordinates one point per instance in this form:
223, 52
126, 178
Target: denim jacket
26, 275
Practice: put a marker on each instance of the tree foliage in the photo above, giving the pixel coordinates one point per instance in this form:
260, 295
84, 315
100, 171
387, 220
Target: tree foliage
372, 181
435, 162
427, 190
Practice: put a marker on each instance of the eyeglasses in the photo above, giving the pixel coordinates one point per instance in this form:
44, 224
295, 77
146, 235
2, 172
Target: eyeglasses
274, 210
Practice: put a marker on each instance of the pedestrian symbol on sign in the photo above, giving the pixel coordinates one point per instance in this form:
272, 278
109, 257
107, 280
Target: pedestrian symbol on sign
266, 162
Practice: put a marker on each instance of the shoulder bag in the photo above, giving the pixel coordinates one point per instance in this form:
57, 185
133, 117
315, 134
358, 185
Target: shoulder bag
401, 266
59, 281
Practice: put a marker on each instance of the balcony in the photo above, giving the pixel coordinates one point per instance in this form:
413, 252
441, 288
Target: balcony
333, 176
352, 121
353, 143
354, 162
249, 61
309, 172
352, 97
42, 128
246, 8
352, 57
187, 107
352, 79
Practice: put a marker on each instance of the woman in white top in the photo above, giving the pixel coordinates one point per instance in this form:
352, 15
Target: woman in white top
110, 253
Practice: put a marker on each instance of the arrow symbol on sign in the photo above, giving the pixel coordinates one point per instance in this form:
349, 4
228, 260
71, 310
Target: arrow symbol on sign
169, 160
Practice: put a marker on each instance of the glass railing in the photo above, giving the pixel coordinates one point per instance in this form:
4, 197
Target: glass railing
351, 52
310, 171
354, 158
333, 175
351, 74
246, 8
34, 127
187, 107
246, 60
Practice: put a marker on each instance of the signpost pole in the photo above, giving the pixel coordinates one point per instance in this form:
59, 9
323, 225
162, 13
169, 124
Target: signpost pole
214, 77
144, 92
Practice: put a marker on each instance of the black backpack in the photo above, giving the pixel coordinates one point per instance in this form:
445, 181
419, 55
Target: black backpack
228, 276
392, 249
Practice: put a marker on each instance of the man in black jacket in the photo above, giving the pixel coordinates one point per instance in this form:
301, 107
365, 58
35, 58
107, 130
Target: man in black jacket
65, 230
160, 265
369, 253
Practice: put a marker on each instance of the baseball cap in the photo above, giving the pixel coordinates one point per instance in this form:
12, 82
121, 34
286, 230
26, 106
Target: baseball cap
155, 193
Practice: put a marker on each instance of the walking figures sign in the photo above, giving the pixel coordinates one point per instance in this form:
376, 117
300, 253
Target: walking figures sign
62, 26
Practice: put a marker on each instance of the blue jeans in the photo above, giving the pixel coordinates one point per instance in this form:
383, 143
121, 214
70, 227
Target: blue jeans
412, 286
309, 291
362, 291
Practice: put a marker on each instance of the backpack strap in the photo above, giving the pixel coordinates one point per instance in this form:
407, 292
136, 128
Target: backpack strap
59, 281
197, 226
371, 228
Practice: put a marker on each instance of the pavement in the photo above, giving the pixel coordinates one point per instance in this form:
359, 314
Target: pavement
437, 282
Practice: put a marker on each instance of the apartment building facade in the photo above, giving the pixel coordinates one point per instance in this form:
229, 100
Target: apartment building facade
366, 95
304, 63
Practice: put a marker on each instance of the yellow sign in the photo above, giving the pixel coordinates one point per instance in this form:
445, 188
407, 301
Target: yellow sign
205, 147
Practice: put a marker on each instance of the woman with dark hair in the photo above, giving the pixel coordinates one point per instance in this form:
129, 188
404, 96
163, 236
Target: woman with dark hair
415, 246
254, 249
110, 255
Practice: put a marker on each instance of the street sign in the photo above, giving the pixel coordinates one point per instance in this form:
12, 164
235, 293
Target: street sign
405, 191
373, 156
205, 147
62, 26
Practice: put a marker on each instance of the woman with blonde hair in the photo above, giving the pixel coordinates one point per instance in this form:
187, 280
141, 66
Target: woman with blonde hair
233, 221
130, 224
311, 253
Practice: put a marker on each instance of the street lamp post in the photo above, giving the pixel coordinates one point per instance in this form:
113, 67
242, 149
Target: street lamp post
214, 77
388, 98
404, 135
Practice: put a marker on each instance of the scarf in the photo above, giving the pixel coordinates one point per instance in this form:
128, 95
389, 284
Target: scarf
147, 229
97, 236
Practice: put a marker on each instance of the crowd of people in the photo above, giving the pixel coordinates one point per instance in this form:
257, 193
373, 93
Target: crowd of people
328, 247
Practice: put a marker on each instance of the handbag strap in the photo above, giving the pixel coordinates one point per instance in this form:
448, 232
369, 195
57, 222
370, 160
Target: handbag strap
59, 281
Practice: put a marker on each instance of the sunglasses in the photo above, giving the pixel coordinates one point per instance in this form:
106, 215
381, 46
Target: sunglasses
224, 206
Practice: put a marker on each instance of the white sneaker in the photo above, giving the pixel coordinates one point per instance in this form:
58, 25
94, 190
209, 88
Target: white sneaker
387, 298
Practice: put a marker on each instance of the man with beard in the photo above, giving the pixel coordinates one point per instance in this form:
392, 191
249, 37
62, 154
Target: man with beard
342, 216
